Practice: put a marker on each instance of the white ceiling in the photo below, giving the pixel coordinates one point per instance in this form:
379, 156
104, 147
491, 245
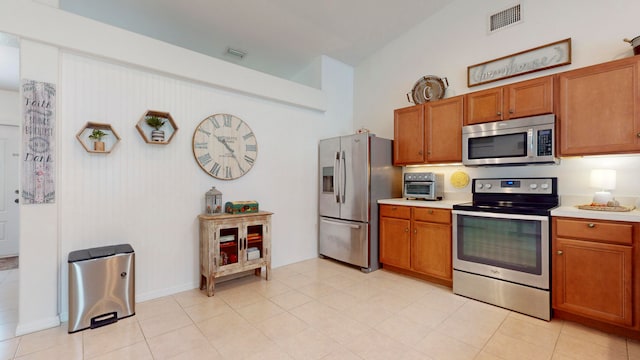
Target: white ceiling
280, 37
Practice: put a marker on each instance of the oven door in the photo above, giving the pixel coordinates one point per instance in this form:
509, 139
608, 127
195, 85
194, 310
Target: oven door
420, 189
509, 247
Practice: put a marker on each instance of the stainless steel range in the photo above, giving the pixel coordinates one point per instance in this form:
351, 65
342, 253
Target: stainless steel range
502, 242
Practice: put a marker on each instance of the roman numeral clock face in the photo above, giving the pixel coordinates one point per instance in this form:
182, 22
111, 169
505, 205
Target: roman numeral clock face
224, 146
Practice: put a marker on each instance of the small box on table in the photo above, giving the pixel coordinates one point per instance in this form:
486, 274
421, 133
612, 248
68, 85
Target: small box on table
241, 207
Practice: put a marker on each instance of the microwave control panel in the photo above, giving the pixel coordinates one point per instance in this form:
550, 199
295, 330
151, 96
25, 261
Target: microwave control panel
545, 142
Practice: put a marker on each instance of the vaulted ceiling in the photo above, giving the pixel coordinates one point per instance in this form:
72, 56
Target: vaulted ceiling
279, 37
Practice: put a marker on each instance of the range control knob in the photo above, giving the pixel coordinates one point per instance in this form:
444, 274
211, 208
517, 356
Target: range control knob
544, 186
480, 186
488, 186
533, 186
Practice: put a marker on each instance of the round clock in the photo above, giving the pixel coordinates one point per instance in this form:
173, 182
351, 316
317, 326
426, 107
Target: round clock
224, 146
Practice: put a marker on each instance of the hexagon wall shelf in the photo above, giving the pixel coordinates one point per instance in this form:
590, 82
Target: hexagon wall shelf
150, 135
110, 140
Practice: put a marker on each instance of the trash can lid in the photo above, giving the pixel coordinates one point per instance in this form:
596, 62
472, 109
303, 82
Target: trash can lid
99, 252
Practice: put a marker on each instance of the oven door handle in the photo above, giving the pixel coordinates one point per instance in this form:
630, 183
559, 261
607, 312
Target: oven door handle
501, 215
530, 148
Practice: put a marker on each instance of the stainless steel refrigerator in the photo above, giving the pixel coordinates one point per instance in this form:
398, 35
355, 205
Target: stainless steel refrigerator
355, 172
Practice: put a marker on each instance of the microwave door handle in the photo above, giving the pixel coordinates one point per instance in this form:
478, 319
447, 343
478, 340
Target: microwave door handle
343, 173
530, 147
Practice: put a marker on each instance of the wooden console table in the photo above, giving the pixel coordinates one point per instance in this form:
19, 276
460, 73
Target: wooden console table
233, 243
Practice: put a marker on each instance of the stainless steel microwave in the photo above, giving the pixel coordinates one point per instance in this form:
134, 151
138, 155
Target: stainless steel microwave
522, 141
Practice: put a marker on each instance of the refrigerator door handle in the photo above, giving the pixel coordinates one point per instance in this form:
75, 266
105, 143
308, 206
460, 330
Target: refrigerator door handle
343, 174
353, 226
336, 180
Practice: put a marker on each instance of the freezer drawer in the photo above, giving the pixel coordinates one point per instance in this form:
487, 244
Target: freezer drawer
346, 241
101, 286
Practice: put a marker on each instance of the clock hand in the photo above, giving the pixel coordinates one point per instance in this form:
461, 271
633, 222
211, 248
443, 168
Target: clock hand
233, 155
225, 144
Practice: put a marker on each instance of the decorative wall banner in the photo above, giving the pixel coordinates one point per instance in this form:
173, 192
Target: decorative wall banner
543, 57
38, 142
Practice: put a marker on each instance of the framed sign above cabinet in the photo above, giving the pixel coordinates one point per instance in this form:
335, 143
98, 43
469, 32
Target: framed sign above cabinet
540, 58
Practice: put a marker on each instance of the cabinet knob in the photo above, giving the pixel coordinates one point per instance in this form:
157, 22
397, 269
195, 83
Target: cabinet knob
415, 231
591, 225
638, 134
420, 152
559, 252
430, 212
499, 113
406, 230
511, 111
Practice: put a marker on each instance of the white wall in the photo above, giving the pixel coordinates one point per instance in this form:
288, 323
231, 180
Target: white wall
149, 195
9, 107
39, 232
455, 38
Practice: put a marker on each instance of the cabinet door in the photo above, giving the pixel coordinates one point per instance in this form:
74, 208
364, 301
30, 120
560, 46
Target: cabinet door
599, 109
229, 240
444, 130
483, 106
394, 242
528, 98
594, 280
408, 130
254, 247
431, 249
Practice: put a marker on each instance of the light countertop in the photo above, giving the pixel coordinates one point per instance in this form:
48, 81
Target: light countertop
568, 211
572, 211
441, 204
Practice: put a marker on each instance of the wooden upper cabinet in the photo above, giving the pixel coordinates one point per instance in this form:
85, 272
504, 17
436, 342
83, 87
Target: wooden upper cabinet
444, 130
483, 106
525, 98
429, 132
599, 108
408, 130
528, 98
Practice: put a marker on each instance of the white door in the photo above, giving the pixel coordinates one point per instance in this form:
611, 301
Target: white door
9, 190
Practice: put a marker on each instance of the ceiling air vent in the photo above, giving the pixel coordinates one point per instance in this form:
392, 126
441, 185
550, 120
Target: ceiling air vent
505, 18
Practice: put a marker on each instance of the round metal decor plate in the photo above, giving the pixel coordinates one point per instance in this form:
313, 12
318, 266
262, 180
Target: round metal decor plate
459, 179
428, 88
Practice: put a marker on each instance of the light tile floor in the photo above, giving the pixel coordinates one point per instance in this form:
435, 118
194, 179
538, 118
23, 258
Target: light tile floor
318, 309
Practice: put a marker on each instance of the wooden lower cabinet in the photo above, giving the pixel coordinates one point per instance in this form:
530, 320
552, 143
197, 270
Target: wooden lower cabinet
395, 249
593, 273
233, 243
416, 241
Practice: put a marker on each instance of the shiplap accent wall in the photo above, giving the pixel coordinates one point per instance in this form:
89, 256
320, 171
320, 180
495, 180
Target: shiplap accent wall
149, 195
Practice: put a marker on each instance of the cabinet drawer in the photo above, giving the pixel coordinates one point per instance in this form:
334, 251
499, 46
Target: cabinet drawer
432, 215
403, 212
619, 233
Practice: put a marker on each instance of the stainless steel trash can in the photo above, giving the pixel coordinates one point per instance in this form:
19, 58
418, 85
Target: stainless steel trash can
101, 286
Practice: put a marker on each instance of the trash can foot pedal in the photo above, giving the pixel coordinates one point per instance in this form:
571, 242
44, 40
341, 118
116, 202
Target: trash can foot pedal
104, 319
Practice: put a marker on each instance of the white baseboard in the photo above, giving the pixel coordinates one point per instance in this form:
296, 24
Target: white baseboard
38, 325
150, 295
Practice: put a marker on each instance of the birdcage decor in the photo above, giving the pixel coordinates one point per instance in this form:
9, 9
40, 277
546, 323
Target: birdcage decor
213, 201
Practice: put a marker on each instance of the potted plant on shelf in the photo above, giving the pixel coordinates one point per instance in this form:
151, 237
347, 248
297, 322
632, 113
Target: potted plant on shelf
97, 135
156, 123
